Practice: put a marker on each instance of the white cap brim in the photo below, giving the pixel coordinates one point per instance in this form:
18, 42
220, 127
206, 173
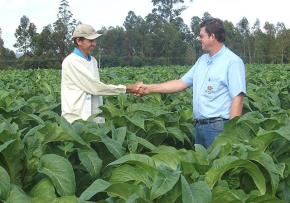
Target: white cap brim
94, 36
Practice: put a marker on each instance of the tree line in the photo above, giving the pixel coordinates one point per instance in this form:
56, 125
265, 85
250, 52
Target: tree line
160, 38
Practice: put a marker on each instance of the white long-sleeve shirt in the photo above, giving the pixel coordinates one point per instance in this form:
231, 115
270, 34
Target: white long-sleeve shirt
82, 90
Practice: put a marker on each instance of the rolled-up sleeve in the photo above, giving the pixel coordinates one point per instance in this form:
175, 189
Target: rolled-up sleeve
187, 78
236, 78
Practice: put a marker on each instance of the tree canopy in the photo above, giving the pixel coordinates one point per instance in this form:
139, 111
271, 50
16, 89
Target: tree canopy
160, 38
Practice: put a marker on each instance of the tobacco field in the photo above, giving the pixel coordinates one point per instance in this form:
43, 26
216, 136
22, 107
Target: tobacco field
145, 151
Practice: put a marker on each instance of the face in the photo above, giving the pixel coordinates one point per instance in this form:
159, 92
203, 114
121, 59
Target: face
205, 39
86, 45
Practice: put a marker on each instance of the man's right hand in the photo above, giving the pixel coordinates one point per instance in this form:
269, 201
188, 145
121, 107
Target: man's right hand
134, 88
138, 89
144, 89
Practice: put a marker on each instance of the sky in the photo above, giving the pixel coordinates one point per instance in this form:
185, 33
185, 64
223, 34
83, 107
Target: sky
107, 13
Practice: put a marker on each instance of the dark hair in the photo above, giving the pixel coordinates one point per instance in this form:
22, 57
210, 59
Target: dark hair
214, 26
75, 40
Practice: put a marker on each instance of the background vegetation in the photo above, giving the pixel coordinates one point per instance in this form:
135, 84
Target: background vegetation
160, 38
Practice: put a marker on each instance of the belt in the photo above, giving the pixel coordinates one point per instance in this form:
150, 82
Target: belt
208, 120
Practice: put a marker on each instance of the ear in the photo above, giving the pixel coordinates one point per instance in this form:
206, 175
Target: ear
79, 41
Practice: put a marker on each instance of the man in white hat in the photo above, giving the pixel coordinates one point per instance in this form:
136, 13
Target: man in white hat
81, 88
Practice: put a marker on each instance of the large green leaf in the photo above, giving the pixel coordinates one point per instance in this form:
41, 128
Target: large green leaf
226, 195
172, 195
267, 162
5, 185
283, 191
169, 158
221, 162
145, 143
201, 155
284, 131
96, 187
178, 134
186, 115
66, 199
12, 151
164, 182
142, 158
67, 129
124, 190
215, 174
136, 120
5, 145
265, 199
136, 197
17, 195
198, 192
60, 172
111, 110
138, 173
119, 134
54, 132
34, 117
155, 126
252, 117
94, 134
42, 200
44, 189
132, 143
91, 161
265, 138
114, 147
147, 108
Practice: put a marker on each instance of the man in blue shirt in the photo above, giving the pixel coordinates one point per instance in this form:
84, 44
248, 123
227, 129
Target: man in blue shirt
218, 81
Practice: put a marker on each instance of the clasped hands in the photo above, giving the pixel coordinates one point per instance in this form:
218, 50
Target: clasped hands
139, 89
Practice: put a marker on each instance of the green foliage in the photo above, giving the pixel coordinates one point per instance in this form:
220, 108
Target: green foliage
24, 35
96, 187
5, 185
44, 189
60, 172
160, 38
144, 152
198, 192
63, 30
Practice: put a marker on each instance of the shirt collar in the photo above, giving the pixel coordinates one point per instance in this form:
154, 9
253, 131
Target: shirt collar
210, 59
78, 52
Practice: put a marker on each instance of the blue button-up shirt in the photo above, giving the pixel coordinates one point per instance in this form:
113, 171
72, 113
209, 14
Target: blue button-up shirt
79, 53
215, 81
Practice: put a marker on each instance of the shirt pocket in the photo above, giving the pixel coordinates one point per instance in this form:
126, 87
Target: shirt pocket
212, 88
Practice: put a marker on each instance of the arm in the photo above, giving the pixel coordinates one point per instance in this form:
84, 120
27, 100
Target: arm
237, 106
166, 87
237, 87
84, 80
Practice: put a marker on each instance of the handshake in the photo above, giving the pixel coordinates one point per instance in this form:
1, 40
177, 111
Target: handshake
139, 89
